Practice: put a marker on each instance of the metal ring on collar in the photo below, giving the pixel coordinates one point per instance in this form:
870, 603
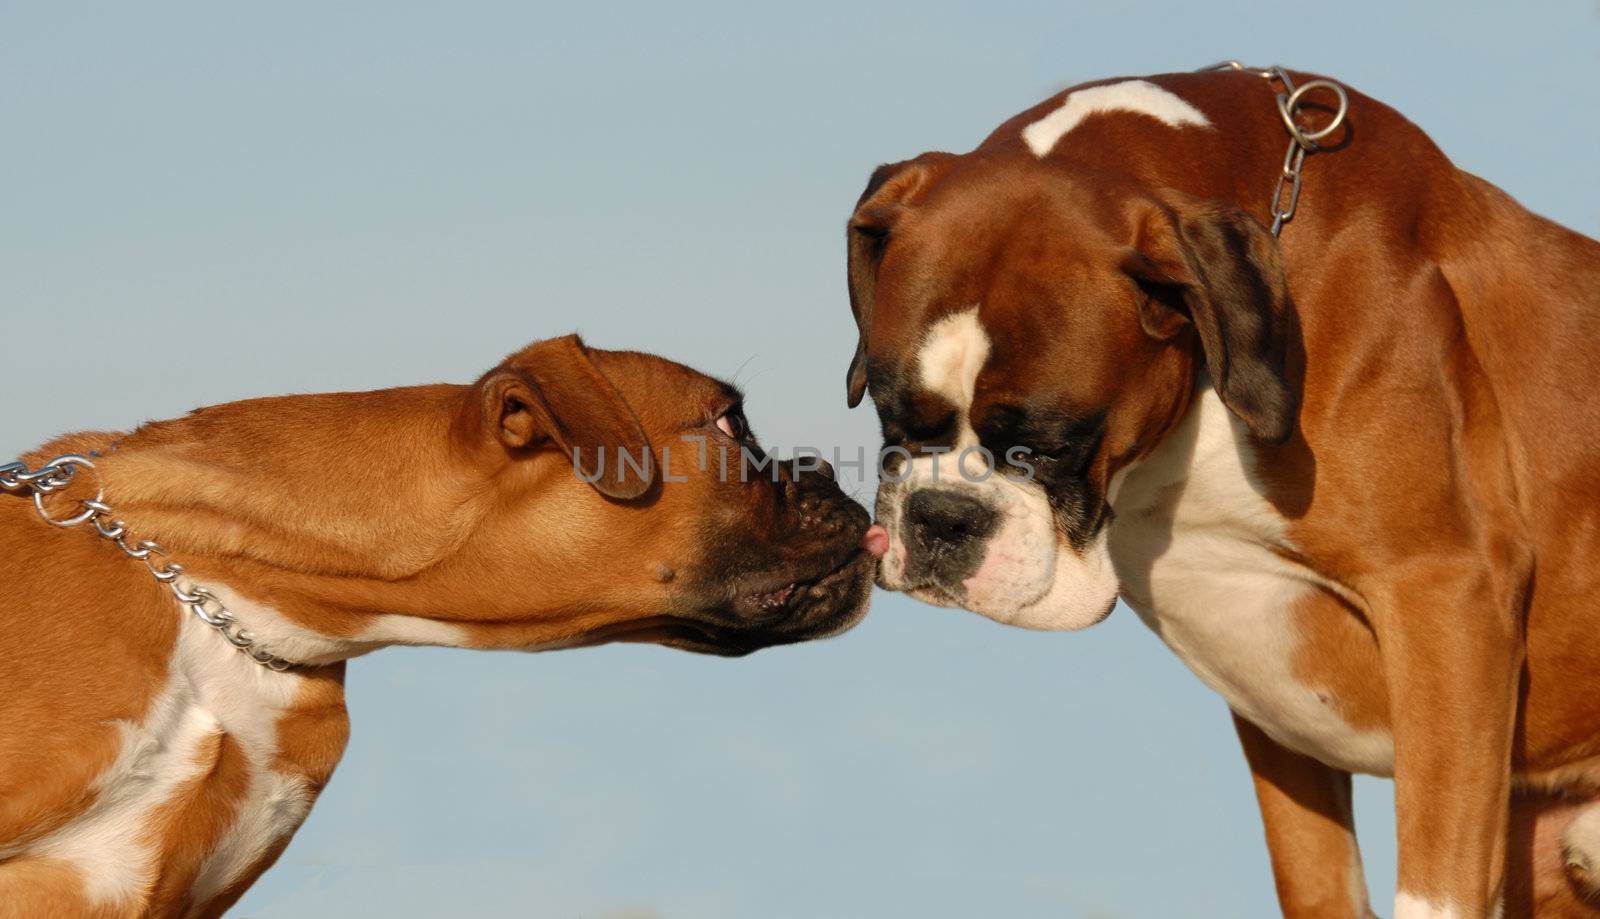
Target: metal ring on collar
1289, 104
43, 483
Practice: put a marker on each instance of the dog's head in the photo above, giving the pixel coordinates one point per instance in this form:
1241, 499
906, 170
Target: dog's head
1027, 333
657, 515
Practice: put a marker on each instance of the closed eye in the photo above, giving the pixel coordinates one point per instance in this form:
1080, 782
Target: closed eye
732, 423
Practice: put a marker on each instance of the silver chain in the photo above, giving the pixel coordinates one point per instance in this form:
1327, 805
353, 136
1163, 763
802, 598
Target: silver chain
58, 474
1302, 140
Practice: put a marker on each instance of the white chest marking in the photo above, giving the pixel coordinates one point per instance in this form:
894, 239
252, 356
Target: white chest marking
1140, 96
211, 690
1192, 543
1409, 906
107, 842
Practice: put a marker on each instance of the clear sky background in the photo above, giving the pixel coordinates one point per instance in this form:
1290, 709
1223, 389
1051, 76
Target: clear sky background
203, 202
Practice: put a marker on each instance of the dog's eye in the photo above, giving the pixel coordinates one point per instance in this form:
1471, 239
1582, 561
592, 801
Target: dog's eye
732, 423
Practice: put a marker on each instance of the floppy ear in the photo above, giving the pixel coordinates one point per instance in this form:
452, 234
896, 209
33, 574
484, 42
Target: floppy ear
1211, 265
877, 210
552, 393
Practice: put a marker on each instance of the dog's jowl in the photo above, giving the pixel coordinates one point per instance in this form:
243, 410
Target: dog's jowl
1323, 468
570, 497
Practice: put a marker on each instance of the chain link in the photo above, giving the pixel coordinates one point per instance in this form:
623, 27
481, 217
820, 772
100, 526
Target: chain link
1302, 140
58, 474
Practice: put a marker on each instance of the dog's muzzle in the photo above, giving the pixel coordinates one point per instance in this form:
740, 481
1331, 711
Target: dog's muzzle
992, 547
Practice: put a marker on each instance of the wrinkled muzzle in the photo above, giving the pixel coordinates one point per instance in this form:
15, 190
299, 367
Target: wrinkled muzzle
964, 535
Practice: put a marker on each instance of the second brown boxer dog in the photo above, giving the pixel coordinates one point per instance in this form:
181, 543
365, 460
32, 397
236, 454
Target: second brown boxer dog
148, 769
1350, 476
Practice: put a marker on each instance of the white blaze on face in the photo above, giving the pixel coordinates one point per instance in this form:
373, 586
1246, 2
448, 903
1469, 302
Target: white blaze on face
953, 354
1138, 96
1029, 575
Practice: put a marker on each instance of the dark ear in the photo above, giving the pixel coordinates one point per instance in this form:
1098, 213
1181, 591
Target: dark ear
877, 210
552, 393
1212, 265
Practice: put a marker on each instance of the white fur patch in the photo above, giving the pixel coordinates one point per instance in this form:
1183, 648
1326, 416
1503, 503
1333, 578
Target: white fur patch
291, 640
106, 843
248, 700
211, 690
1408, 906
1138, 96
953, 353
1193, 543
1079, 590
281, 635
413, 630
1580, 845
274, 806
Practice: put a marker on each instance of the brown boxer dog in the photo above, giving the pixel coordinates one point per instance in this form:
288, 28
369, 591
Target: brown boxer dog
147, 769
1350, 476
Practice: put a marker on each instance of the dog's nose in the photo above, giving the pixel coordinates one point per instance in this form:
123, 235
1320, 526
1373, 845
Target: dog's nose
941, 517
799, 468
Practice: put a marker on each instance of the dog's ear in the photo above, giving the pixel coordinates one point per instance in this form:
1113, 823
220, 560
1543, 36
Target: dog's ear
551, 393
1211, 265
880, 206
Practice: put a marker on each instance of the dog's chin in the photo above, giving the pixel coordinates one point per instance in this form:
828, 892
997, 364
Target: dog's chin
936, 596
805, 608
1041, 616
1047, 617
1081, 591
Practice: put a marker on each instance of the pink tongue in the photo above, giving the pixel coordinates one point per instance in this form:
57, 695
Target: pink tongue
875, 540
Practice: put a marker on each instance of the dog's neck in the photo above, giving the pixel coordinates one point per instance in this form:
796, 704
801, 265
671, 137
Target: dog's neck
331, 525
366, 485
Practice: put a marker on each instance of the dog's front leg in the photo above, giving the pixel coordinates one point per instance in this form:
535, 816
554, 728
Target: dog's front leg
1311, 836
1451, 632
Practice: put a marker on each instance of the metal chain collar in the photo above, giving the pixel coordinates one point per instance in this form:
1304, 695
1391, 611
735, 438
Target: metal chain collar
1302, 139
58, 474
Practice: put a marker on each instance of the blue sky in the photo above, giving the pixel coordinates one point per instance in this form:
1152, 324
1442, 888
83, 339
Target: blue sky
205, 202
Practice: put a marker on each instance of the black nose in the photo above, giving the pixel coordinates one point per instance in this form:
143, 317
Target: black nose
800, 467
941, 517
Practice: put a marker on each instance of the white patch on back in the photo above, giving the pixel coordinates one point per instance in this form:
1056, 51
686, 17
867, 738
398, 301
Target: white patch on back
1409, 906
1192, 543
1139, 96
211, 690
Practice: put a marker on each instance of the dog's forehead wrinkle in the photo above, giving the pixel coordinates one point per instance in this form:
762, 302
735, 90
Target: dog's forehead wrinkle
1135, 96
